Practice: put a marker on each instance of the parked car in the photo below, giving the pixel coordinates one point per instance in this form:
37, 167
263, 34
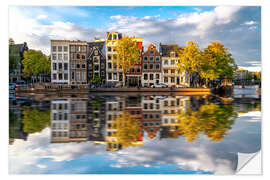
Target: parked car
12, 86
160, 85
108, 85
20, 83
118, 85
181, 86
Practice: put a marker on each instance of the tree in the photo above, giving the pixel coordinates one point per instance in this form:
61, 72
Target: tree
222, 63
128, 54
128, 129
35, 63
189, 58
35, 120
14, 58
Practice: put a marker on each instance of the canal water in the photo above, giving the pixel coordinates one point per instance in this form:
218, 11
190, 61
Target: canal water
132, 134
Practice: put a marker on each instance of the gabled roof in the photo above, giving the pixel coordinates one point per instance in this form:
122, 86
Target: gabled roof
99, 45
165, 49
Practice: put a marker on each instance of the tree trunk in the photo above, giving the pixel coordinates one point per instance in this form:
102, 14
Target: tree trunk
189, 79
124, 79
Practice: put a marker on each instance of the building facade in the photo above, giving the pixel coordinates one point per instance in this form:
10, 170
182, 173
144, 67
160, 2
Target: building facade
60, 62
78, 62
171, 76
96, 60
151, 67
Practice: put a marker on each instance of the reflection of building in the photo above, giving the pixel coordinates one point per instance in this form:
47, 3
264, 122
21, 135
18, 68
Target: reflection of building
96, 57
151, 67
151, 115
171, 76
60, 120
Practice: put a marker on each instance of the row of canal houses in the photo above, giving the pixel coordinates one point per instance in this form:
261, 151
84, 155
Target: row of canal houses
77, 62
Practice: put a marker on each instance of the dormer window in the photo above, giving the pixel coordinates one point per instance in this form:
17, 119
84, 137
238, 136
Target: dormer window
151, 52
96, 52
172, 54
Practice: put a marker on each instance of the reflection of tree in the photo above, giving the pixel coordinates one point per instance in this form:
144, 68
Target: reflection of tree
35, 120
212, 120
14, 124
127, 129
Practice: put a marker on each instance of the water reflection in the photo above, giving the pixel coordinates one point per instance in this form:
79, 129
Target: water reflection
130, 124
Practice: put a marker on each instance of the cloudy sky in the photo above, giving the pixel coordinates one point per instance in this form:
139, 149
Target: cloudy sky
239, 28
37, 155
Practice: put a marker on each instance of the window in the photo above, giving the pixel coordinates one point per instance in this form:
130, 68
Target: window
72, 75
172, 79
109, 65
172, 71
83, 48
83, 65
96, 67
54, 57
77, 76
78, 56
60, 66
54, 66
157, 76
165, 71
157, 106
114, 36
166, 62
151, 106
132, 70
145, 66
54, 76
78, 65
138, 70
66, 76
151, 66
72, 48
65, 66
151, 52
157, 58
59, 48
65, 48
109, 57
72, 65
65, 57
54, 48
172, 103
96, 58
83, 56
157, 66
73, 56
145, 106
165, 79
172, 54
60, 76
96, 52
151, 76
109, 76
172, 62
102, 65
78, 48
151, 58
145, 76
109, 49
60, 57
114, 76
83, 76
165, 103
145, 58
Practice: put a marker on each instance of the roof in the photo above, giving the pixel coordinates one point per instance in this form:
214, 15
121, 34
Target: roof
166, 49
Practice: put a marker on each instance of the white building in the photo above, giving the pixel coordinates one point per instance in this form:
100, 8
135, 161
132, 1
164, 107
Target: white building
60, 73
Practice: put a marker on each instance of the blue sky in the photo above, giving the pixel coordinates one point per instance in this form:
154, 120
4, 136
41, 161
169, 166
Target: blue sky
239, 28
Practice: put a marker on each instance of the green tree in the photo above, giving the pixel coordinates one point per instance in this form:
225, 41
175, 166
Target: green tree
222, 63
96, 79
189, 58
35, 63
35, 120
14, 57
14, 124
128, 54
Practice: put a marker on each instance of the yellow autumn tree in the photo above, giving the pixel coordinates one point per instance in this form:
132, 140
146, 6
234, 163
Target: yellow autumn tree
189, 58
128, 54
128, 129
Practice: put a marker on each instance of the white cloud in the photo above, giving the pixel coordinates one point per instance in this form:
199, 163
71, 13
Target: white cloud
42, 16
248, 23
